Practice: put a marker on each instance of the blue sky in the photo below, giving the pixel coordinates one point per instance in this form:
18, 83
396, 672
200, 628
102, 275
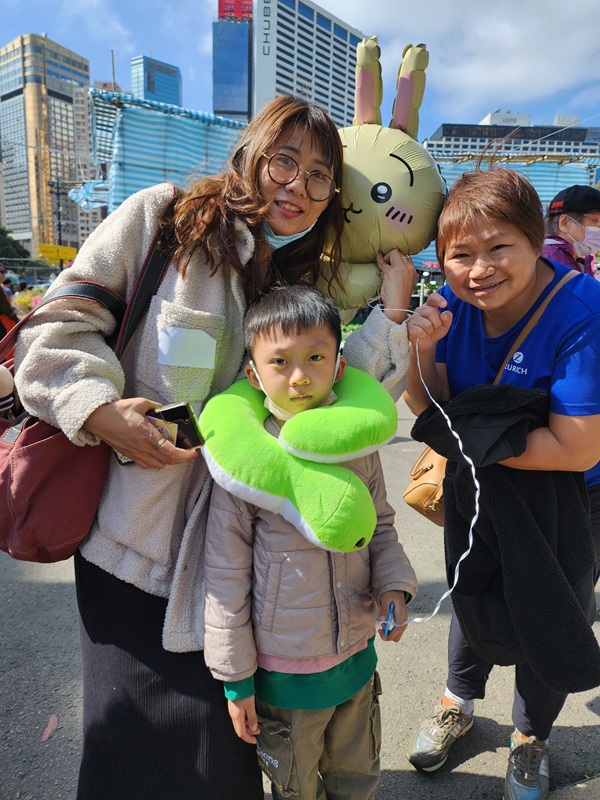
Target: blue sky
538, 57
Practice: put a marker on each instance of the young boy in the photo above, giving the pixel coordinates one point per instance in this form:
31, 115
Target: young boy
290, 627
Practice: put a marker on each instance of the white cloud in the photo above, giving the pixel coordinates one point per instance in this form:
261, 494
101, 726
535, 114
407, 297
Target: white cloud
588, 98
482, 55
189, 28
98, 21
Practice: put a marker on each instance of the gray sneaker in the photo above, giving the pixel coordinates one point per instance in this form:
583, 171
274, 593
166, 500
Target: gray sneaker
436, 736
527, 776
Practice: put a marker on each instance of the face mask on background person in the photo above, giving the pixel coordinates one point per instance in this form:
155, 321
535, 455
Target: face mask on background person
590, 244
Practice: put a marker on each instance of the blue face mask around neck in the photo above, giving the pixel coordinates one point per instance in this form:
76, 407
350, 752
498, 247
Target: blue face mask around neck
275, 241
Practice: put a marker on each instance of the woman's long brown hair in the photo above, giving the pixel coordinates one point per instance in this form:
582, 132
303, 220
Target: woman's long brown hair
203, 216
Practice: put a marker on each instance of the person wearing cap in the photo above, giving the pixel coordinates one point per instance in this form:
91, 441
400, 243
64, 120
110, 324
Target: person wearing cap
573, 228
573, 239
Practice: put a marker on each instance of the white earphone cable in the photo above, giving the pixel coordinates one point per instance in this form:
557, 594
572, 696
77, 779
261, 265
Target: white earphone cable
477, 494
372, 303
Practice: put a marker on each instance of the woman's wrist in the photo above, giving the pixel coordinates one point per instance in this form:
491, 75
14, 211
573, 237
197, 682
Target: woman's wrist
396, 315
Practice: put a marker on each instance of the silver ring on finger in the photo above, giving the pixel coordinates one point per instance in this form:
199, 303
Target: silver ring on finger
160, 442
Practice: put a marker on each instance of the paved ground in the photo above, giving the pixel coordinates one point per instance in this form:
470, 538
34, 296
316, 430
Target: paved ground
40, 677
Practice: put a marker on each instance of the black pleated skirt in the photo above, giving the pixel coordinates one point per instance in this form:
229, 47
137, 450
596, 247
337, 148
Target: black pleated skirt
155, 723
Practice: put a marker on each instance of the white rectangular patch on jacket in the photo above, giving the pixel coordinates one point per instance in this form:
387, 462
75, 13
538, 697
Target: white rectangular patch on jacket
182, 347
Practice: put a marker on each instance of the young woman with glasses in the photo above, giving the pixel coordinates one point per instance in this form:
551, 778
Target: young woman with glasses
155, 722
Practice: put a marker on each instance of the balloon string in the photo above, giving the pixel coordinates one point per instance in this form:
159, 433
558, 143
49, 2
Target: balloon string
375, 302
477, 495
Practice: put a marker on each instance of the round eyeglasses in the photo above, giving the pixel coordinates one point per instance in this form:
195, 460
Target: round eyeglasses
283, 170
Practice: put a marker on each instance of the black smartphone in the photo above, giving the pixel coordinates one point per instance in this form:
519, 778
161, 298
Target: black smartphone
182, 415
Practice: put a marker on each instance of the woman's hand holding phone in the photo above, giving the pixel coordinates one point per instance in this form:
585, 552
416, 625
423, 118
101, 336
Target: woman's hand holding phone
181, 424
123, 425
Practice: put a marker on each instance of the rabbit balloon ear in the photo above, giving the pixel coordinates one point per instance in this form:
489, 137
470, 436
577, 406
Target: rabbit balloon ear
410, 88
393, 190
369, 87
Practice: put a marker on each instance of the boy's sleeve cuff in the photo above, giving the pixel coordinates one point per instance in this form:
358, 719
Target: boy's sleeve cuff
238, 690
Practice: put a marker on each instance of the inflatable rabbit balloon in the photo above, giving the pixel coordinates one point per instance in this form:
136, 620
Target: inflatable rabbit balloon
393, 190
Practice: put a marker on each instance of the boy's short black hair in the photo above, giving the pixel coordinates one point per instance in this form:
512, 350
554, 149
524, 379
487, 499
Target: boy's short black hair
291, 310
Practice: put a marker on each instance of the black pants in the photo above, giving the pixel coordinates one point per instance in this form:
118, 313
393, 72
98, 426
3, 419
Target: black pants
594, 495
535, 705
155, 724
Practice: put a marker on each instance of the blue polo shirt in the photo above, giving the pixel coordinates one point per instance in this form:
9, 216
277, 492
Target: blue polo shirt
560, 355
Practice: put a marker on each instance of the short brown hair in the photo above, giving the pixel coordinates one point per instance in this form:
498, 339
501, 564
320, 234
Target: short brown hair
493, 194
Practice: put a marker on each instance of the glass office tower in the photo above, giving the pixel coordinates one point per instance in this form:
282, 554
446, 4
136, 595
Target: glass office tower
232, 68
41, 138
155, 80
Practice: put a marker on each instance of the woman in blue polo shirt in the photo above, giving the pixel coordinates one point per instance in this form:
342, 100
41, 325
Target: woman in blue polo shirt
490, 239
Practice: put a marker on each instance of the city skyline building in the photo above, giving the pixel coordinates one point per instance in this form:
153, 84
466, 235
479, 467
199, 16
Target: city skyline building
559, 140
86, 170
2, 201
551, 157
232, 61
41, 135
286, 46
108, 86
155, 80
498, 117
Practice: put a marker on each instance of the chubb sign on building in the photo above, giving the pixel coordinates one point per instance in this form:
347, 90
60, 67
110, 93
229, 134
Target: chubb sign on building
301, 49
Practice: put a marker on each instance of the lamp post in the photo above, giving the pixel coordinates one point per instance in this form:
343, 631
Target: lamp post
56, 190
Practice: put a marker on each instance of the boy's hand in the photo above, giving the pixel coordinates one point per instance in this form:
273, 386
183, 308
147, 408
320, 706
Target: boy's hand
399, 616
243, 716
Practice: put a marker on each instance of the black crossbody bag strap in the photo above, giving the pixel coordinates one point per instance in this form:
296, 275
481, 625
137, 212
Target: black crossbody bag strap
148, 281
127, 315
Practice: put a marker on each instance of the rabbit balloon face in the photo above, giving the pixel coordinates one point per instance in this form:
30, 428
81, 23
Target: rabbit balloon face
393, 190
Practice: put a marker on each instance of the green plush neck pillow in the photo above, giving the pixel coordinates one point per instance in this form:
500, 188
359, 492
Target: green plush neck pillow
299, 475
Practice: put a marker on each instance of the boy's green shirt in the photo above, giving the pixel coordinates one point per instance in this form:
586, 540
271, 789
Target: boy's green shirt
313, 691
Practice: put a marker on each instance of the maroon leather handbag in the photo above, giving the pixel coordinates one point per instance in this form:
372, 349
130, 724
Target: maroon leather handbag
50, 488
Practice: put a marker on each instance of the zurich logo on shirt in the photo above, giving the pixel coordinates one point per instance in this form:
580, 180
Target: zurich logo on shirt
515, 364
